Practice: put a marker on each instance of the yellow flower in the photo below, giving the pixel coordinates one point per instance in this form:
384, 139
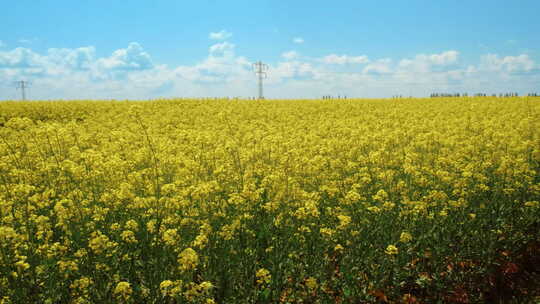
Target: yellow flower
405, 237
67, 266
327, 232
151, 226
100, 242
8, 234
374, 209
81, 285
344, 221
81, 253
170, 237
115, 227
472, 215
388, 205
391, 250
132, 225
200, 241
170, 288
263, 276
532, 204
123, 290
206, 286
165, 286
188, 259
5, 300
22, 265
311, 283
128, 236
381, 196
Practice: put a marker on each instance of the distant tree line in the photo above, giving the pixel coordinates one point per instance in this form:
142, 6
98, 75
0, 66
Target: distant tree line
511, 94
433, 95
333, 97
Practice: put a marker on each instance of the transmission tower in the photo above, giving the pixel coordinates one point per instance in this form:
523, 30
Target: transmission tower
260, 69
23, 85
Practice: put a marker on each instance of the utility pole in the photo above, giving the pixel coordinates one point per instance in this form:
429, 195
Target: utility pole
260, 69
22, 85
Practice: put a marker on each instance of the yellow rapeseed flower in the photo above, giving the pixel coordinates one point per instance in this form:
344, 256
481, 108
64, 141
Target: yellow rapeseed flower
263, 276
391, 250
22, 265
344, 221
532, 204
128, 236
405, 237
165, 286
311, 283
170, 237
123, 290
132, 225
188, 259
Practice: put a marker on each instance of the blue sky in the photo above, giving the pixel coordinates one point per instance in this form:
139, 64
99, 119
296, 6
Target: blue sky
151, 49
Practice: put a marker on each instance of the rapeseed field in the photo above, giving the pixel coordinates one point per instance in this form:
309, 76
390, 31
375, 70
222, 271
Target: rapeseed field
278, 201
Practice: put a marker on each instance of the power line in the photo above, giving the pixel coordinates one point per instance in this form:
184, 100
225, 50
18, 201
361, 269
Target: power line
23, 85
260, 69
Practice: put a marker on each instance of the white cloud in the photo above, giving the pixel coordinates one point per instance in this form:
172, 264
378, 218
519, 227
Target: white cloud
55, 61
381, 66
290, 55
445, 58
344, 59
130, 73
131, 58
221, 66
425, 63
221, 35
511, 64
20, 58
291, 70
298, 40
79, 58
222, 49
438, 70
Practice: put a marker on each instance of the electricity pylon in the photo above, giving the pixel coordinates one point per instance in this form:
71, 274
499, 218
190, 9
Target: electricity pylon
23, 85
260, 69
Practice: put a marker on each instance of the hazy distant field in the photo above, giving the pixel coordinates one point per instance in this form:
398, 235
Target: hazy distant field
344, 201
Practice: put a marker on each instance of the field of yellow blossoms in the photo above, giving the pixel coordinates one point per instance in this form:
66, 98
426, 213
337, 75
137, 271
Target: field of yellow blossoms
279, 201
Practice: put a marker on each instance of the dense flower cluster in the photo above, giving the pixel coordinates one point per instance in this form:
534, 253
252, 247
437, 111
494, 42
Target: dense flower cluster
190, 201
